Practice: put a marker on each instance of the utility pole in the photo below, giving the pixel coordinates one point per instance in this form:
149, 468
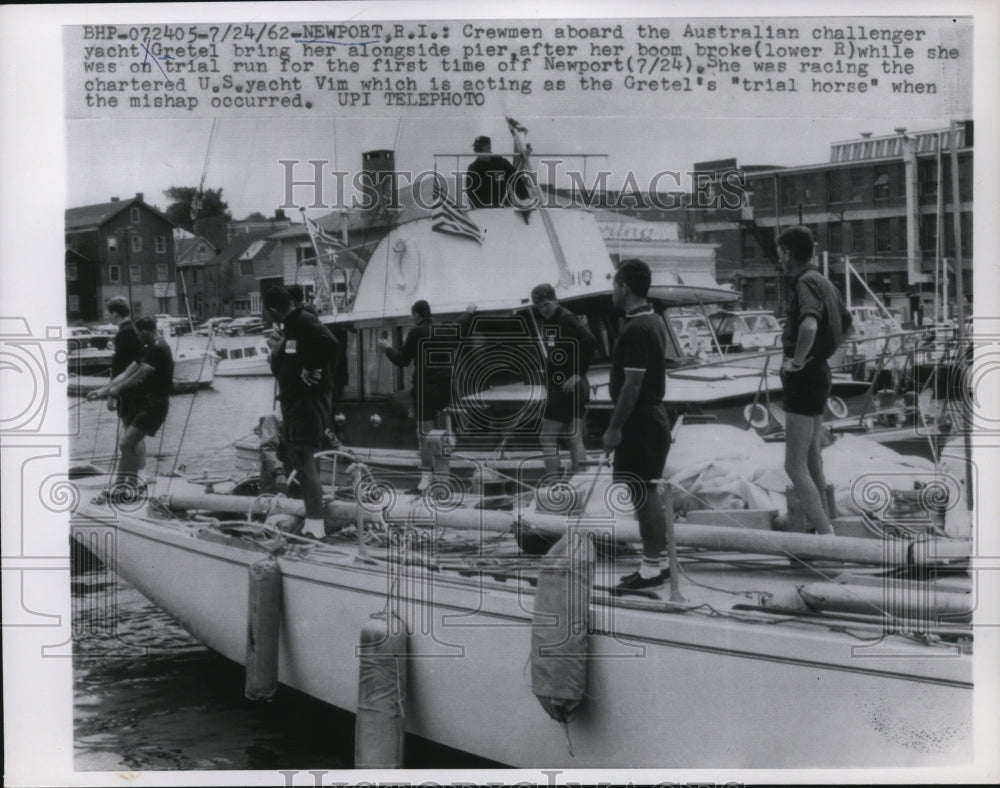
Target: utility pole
126, 237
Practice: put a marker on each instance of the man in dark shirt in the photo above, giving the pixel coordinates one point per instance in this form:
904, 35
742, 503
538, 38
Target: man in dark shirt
569, 347
147, 381
432, 390
817, 323
639, 430
301, 356
487, 178
127, 347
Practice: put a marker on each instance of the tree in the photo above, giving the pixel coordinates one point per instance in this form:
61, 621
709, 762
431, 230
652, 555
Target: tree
209, 205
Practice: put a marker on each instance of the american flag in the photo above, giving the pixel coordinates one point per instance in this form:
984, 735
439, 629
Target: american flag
451, 219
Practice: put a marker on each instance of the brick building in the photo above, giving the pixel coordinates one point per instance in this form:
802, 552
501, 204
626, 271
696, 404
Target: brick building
875, 203
128, 247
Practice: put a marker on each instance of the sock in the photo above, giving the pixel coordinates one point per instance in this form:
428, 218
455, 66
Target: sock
649, 568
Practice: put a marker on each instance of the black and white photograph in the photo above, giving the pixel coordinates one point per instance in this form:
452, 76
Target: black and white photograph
425, 393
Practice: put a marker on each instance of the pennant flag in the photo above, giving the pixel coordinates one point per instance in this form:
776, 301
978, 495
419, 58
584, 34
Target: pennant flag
451, 219
515, 127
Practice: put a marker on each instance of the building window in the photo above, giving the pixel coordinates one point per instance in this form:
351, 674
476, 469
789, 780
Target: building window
113, 244
202, 253
114, 273
73, 304
835, 237
857, 236
135, 272
210, 276
133, 214
136, 243
749, 245
162, 273
246, 267
789, 192
834, 191
194, 276
70, 272
927, 178
881, 184
160, 244
966, 219
305, 254
857, 185
928, 233
965, 179
883, 236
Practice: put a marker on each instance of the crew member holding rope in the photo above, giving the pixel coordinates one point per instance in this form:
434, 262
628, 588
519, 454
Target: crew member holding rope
146, 383
301, 357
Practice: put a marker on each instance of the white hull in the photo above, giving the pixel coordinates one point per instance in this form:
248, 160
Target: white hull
666, 688
243, 367
194, 372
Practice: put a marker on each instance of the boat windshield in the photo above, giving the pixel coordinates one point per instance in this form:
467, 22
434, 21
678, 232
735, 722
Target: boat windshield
763, 323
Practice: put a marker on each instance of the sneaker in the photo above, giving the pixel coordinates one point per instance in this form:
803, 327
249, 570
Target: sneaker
636, 582
313, 529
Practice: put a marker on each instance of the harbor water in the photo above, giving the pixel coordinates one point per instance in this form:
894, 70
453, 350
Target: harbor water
147, 696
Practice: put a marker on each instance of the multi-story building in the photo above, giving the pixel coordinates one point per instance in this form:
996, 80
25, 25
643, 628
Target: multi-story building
127, 249
880, 203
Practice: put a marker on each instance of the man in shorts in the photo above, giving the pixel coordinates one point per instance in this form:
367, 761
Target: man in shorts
639, 430
569, 347
432, 383
146, 383
301, 357
816, 325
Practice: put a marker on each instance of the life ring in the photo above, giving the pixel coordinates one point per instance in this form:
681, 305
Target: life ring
756, 416
408, 264
836, 407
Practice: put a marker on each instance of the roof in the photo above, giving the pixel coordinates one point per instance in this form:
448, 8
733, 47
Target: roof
242, 243
184, 247
87, 217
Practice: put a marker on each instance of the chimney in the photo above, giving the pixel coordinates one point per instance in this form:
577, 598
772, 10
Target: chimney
138, 196
378, 175
114, 199
866, 134
900, 129
279, 215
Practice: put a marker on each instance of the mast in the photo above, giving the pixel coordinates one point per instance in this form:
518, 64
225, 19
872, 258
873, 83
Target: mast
524, 151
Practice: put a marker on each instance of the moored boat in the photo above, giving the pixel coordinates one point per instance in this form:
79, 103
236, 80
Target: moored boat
842, 650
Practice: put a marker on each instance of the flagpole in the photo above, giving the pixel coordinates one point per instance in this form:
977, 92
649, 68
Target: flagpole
565, 278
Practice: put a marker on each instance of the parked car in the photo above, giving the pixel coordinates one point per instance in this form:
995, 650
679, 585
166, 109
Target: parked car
213, 325
244, 325
179, 326
746, 331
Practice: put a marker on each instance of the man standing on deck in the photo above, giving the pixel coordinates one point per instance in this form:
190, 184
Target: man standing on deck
127, 345
301, 358
569, 347
431, 382
488, 176
639, 430
146, 385
817, 323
